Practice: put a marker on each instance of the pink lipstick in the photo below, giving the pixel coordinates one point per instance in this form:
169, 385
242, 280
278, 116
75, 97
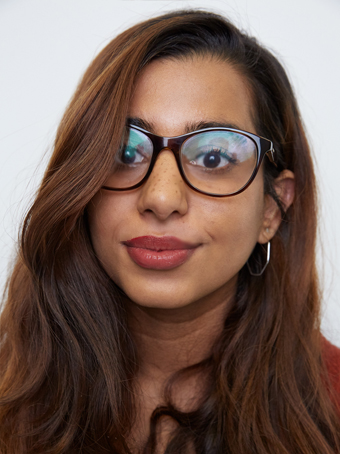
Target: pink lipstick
159, 253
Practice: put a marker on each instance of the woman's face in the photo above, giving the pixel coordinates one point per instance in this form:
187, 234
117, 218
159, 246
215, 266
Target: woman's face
207, 239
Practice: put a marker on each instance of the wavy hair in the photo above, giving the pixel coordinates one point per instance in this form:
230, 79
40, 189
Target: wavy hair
67, 359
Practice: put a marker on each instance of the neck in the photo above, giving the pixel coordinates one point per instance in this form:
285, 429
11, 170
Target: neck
168, 340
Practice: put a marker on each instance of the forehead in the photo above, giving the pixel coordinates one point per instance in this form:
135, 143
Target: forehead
171, 94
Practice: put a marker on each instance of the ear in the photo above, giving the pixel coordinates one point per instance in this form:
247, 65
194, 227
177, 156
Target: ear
284, 186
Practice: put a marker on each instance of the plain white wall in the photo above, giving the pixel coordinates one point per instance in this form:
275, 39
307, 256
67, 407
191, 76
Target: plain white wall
46, 45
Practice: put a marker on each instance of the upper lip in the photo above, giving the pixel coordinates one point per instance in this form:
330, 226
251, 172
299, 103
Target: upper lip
159, 243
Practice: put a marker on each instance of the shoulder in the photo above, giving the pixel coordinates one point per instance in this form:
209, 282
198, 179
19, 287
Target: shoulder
331, 359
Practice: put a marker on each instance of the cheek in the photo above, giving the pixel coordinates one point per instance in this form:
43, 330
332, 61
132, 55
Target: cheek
235, 224
104, 225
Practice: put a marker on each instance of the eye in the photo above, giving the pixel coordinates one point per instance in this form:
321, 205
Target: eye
131, 155
213, 158
136, 148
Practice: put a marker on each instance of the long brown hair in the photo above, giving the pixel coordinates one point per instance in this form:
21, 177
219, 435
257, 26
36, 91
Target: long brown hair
67, 360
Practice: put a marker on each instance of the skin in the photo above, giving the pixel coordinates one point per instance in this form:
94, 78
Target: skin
176, 315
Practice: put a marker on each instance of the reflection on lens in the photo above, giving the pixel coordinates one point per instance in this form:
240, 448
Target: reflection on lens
219, 162
131, 161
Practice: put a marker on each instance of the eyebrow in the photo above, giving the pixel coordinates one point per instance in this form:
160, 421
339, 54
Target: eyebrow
188, 127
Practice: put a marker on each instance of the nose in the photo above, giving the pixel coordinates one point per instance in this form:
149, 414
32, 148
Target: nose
165, 192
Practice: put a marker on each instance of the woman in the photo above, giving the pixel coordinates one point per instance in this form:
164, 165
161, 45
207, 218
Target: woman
165, 296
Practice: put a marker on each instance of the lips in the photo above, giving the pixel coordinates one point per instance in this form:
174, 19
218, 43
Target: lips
159, 253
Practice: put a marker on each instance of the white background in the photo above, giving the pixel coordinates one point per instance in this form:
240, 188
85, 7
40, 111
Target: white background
45, 46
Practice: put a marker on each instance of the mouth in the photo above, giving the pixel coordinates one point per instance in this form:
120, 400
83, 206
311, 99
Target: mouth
159, 253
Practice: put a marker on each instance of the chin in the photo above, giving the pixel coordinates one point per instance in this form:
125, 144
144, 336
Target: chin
160, 299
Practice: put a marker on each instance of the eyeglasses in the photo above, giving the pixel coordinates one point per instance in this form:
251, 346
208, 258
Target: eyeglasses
218, 162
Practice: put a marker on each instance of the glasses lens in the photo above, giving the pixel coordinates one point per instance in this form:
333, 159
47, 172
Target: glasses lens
219, 162
131, 161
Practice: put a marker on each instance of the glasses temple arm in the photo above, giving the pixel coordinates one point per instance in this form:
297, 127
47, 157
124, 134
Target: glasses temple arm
271, 154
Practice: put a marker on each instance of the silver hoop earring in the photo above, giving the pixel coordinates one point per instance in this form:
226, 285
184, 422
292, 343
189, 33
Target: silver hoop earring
258, 267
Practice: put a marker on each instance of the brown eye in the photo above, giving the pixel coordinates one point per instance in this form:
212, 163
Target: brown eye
130, 155
212, 159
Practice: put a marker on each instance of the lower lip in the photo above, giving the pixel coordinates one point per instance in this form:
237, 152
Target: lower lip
159, 260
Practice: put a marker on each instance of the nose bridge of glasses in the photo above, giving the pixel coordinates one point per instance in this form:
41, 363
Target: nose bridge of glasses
160, 143
166, 143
